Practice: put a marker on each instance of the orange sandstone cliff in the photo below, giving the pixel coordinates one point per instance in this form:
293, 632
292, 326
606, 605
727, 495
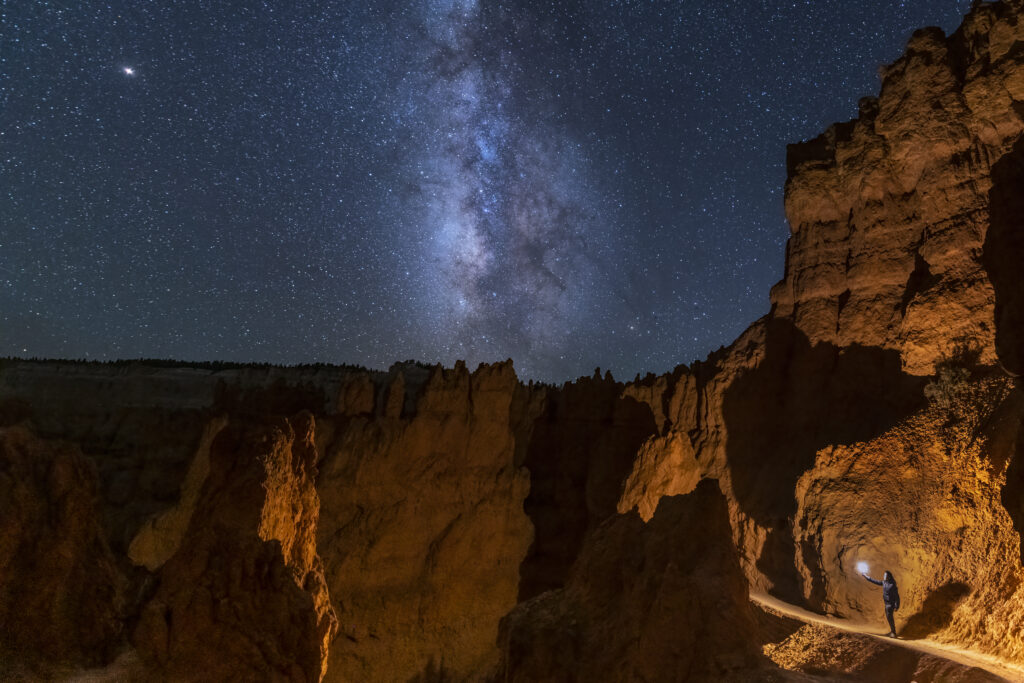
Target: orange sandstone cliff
187, 522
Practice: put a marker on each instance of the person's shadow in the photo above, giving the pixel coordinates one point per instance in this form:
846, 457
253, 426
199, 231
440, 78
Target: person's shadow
936, 612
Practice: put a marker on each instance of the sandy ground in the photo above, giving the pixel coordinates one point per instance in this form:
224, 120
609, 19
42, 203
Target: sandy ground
1005, 670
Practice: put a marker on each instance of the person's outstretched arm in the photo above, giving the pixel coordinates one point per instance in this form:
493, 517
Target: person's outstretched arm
877, 583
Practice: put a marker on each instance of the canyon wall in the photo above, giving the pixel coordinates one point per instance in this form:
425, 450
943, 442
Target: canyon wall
302, 522
898, 290
427, 524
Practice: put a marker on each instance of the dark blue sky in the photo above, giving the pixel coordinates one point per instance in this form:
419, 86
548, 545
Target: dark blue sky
570, 184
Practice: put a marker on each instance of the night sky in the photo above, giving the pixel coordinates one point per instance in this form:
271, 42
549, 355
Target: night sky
569, 184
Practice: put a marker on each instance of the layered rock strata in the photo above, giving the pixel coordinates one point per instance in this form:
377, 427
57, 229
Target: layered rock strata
889, 212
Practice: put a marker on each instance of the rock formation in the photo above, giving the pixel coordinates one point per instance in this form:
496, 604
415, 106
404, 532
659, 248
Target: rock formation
664, 600
580, 450
62, 595
243, 594
923, 500
390, 522
422, 525
905, 232
889, 212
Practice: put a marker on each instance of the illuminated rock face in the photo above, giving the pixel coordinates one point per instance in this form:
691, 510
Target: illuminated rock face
381, 539
243, 595
889, 213
924, 500
422, 525
447, 497
904, 261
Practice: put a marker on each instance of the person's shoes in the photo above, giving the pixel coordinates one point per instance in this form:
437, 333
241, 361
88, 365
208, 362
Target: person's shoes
892, 634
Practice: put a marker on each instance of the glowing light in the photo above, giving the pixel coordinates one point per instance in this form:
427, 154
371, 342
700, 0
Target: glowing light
862, 567
128, 71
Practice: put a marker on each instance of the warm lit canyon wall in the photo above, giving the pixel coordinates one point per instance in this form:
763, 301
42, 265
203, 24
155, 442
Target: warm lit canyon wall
442, 497
867, 413
293, 521
432, 524
422, 525
930, 501
889, 212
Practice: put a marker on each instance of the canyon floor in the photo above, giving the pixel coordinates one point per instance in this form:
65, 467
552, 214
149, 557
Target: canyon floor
868, 645
806, 646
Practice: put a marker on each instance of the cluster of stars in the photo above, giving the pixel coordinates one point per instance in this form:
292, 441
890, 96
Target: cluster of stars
566, 184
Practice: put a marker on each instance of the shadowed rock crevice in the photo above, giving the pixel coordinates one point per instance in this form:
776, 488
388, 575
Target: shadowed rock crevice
773, 627
1013, 491
579, 455
660, 601
801, 398
1003, 256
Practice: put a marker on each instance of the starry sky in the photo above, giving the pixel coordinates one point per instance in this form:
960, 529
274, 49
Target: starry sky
570, 184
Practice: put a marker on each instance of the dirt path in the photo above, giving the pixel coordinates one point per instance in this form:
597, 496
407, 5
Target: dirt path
1005, 670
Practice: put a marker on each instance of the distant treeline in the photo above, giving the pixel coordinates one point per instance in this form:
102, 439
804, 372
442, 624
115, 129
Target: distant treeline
214, 365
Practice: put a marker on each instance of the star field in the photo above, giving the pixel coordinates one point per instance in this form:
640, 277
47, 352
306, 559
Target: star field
569, 184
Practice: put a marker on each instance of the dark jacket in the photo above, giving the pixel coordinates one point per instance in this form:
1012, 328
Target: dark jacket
890, 593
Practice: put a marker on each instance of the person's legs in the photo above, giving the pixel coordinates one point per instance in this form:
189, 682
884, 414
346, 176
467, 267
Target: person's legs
892, 622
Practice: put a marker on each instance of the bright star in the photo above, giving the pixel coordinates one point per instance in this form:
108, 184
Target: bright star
128, 71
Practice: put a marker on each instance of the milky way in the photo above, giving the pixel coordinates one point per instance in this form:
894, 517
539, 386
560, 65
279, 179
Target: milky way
517, 249
570, 184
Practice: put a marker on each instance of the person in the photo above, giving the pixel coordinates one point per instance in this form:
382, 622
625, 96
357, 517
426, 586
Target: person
890, 596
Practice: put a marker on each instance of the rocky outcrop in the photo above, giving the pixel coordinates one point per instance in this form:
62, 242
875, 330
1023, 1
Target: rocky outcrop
753, 417
409, 484
62, 594
902, 265
581, 447
422, 525
923, 500
244, 595
889, 212
663, 600
141, 423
